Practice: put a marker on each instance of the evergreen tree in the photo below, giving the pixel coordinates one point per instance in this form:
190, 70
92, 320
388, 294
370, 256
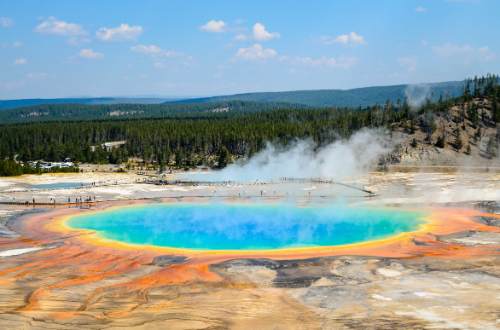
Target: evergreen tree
492, 147
468, 149
457, 143
495, 110
440, 142
223, 157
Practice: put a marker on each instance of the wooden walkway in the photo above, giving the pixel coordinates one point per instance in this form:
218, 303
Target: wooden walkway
281, 180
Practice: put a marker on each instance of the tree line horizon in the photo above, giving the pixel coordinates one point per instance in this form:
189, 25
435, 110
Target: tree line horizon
213, 139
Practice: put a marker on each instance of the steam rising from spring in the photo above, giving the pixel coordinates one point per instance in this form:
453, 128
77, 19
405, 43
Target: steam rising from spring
301, 159
416, 95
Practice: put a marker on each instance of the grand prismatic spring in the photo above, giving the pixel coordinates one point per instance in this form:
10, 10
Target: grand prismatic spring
225, 226
197, 262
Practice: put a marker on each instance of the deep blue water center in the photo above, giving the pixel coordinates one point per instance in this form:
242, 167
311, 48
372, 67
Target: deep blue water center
229, 226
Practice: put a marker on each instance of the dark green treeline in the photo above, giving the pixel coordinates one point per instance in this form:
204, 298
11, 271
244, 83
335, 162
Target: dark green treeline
203, 138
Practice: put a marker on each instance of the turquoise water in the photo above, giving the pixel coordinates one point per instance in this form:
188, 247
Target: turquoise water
57, 185
240, 227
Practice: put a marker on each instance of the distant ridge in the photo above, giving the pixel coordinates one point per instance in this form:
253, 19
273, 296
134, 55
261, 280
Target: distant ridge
20, 103
30, 110
357, 97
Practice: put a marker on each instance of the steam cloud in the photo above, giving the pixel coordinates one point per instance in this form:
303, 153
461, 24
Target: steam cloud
338, 160
416, 95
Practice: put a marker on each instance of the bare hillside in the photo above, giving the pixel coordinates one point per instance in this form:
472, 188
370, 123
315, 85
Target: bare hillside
465, 135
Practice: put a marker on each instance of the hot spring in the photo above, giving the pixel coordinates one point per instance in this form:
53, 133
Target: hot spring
228, 226
57, 185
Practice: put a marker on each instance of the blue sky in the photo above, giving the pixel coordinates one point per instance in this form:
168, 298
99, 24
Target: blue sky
193, 48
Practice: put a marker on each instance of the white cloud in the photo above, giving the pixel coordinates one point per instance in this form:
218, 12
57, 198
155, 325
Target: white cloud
162, 58
15, 44
153, 50
486, 54
20, 61
343, 39
214, 26
6, 22
352, 38
146, 49
260, 33
464, 52
240, 37
420, 9
409, 63
449, 49
61, 28
256, 52
9, 86
90, 54
349, 38
321, 62
123, 32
